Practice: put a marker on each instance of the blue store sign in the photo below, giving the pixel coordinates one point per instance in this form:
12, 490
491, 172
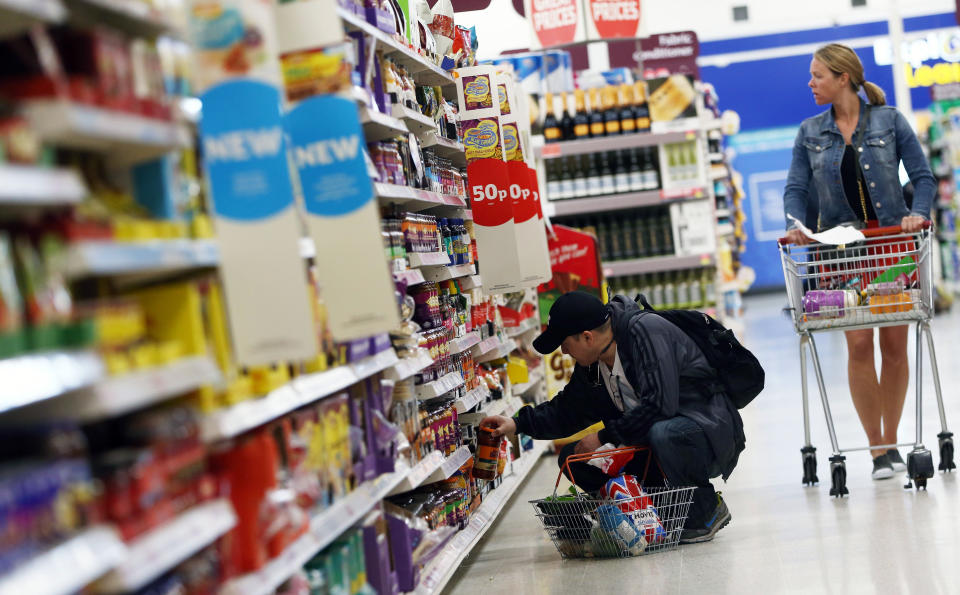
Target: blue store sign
327, 148
244, 150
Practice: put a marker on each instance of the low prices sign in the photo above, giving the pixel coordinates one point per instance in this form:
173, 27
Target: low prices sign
554, 22
614, 19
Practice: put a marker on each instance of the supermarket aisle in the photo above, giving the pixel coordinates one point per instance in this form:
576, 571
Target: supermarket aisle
784, 537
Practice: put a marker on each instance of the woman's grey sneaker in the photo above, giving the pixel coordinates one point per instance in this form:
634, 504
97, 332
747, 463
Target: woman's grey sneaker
896, 461
721, 516
882, 469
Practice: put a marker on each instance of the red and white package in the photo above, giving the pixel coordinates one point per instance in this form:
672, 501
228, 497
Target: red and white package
611, 465
625, 492
442, 26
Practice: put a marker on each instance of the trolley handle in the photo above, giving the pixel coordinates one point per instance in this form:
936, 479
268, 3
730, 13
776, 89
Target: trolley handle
871, 233
599, 454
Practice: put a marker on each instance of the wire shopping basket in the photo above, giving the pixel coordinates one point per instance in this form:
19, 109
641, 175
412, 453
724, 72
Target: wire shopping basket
884, 280
631, 522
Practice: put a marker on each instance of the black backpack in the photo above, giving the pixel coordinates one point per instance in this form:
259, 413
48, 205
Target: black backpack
737, 369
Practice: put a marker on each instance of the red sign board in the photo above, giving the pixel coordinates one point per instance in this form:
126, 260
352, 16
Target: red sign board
615, 19
554, 22
490, 192
576, 267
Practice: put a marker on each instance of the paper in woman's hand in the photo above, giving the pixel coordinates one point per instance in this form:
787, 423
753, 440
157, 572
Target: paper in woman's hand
838, 236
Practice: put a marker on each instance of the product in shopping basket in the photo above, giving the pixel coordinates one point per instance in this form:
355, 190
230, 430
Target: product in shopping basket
618, 530
890, 303
613, 464
829, 303
625, 492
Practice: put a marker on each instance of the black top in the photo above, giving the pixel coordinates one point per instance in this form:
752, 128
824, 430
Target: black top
848, 175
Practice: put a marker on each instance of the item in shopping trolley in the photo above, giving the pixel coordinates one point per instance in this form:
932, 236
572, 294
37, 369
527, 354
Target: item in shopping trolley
829, 303
617, 528
891, 303
625, 492
613, 464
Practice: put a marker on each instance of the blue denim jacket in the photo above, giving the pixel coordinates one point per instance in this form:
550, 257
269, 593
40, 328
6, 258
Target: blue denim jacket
814, 190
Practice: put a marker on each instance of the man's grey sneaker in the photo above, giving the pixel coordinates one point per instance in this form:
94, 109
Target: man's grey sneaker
882, 469
721, 516
896, 461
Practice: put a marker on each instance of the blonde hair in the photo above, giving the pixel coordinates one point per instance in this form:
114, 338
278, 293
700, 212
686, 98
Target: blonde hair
842, 59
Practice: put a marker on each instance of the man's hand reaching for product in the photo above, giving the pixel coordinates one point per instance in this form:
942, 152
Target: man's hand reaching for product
502, 425
588, 443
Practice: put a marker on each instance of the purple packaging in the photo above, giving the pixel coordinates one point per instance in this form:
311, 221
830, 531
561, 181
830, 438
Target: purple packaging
826, 303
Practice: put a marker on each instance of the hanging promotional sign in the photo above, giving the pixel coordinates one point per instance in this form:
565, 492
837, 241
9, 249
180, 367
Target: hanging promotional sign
257, 226
670, 53
489, 179
529, 228
555, 22
326, 148
613, 19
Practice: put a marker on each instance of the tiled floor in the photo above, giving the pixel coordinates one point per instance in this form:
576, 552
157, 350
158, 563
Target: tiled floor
784, 537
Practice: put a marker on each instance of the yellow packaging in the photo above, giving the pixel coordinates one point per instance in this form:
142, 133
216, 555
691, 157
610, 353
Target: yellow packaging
144, 355
174, 314
239, 389
517, 370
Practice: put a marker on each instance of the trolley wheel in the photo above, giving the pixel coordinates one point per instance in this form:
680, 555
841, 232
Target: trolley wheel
809, 465
838, 476
946, 452
919, 467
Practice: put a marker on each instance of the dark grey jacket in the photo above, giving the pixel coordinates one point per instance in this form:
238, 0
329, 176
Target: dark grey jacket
670, 376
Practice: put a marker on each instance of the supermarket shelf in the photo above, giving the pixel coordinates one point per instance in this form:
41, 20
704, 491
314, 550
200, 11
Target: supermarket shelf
324, 529
432, 390
136, 18
414, 199
657, 264
471, 282
498, 407
415, 121
726, 229
449, 465
528, 324
445, 273
465, 342
577, 206
610, 143
472, 399
29, 379
128, 392
69, 567
442, 568
523, 388
245, 416
28, 186
92, 258
423, 259
419, 473
486, 346
501, 350
377, 126
408, 366
158, 551
410, 277
446, 148
423, 71
19, 15
128, 138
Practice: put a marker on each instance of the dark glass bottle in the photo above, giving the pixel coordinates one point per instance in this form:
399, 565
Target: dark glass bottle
611, 116
551, 128
581, 121
628, 119
566, 121
608, 182
641, 111
596, 114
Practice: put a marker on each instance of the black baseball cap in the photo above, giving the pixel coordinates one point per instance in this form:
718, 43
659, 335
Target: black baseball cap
572, 313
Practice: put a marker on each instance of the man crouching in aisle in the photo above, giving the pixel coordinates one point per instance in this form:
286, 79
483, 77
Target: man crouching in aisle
646, 381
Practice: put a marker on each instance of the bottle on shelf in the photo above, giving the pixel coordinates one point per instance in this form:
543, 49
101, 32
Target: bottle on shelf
651, 170
566, 178
635, 170
667, 230
566, 121
628, 118
594, 181
683, 290
696, 290
616, 235
708, 288
551, 127
656, 292
580, 177
608, 182
630, 249
654, 247
553, 179
669, 291
641, 110
581, 121
602, 231
596, 114
621, 171
611, 115
641, 231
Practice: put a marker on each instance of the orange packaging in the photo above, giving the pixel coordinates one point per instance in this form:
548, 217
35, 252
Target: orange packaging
486, 462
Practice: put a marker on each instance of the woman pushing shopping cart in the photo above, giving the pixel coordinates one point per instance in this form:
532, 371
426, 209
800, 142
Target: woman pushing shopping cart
845, 170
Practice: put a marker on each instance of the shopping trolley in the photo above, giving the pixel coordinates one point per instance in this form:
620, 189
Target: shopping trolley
886, 280
584, 526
